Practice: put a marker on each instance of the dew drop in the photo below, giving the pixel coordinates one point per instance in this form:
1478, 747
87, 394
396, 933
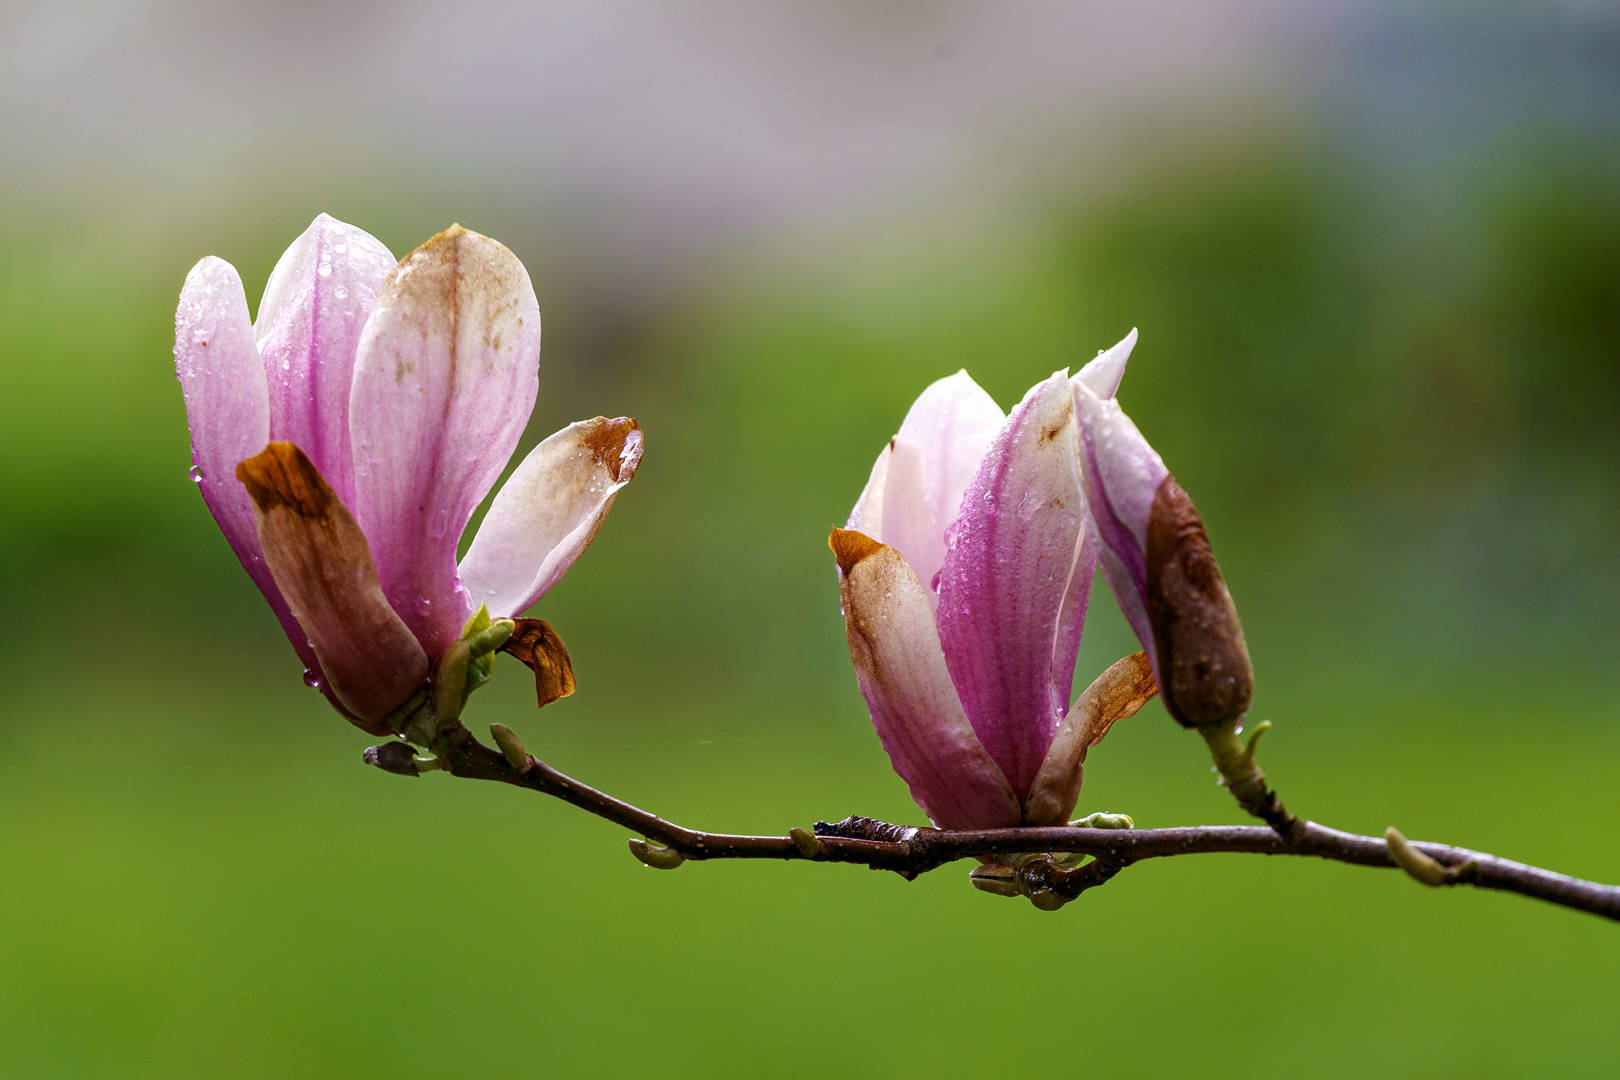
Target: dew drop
325, 269
196, 474
424, 605
199, 335
341, 292
341, 249
311, 680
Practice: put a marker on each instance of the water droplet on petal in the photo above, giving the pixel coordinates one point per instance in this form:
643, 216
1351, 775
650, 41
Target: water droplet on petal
311, 680
325, 269
424, 605
196, 474
341, 292
199, 335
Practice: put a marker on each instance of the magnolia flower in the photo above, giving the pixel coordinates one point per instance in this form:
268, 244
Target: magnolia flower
343, 440
965, 572
1156, 557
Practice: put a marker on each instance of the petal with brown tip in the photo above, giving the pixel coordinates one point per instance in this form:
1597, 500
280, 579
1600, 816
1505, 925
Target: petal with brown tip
900, 668
548, 512
444, 381
323, 567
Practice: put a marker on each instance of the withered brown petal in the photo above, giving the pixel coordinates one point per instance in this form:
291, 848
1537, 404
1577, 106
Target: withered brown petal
537, 645
323, 566
1117, 693
1204, 670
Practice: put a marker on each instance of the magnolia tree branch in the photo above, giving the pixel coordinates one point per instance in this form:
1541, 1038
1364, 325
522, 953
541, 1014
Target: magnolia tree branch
1038, 863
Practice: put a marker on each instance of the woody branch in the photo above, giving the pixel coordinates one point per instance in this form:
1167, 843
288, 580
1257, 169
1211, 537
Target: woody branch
1032, 856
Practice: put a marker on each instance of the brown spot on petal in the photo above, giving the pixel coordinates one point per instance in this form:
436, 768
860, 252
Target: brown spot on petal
850, 547
280, 475
615, 445
1204, 669
537, 645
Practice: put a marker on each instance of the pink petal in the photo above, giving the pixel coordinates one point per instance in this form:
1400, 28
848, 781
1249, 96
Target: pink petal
227, 405
310, 319
323, 567
228, 409
901, 672
928, 466
1009, 580
443, 384
1102, 375
548, 511
1121, 474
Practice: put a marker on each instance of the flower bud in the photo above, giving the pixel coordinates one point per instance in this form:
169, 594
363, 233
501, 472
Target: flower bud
1203, 664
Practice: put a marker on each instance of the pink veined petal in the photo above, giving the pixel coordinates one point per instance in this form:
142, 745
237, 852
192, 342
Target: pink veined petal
310, 319
228, 410
324, 568
444, 381
548, 511
1102, 375
1121, 474
227, 406
931, 461
1007, 575
902, 675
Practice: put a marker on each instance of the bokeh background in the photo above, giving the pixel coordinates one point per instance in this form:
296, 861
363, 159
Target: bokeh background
1374, 253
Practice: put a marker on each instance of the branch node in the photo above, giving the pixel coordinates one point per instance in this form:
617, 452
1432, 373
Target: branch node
398, 758
995, 878
511, 748
1422, 867
809, 844
1102, 820
654, 855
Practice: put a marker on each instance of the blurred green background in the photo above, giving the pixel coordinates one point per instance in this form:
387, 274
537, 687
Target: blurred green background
1375, 260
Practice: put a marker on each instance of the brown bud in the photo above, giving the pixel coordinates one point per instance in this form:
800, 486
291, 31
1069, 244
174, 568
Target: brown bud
1204, 672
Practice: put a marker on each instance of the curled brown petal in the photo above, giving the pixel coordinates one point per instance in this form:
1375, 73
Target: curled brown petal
537, 645
1117, 693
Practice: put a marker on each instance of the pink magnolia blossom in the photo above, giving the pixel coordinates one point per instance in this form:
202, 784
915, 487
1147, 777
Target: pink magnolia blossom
343, 440
1157, 559
965, 572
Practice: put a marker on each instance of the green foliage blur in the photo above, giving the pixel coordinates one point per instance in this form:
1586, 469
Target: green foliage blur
1396, 411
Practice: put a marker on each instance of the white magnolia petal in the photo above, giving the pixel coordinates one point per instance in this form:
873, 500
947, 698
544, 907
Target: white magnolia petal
932, 460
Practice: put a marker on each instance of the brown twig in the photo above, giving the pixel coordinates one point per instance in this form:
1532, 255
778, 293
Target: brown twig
1030, 854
